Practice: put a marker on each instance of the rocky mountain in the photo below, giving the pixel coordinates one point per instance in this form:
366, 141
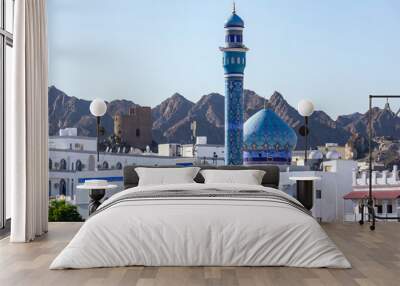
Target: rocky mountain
322, 128
66, 111
344, 120
385, 123
168, 113
208, 113
172, 118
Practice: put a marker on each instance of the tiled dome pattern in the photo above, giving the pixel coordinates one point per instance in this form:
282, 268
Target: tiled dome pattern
267, 138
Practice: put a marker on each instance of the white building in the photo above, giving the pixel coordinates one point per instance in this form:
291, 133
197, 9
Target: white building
385, 193
170, 150
336, 178
205, 153
73, 159
202, 152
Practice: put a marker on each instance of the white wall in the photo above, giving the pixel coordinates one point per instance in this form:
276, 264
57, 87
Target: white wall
168, 149
208, 151
333, 185
112, 159
78, 143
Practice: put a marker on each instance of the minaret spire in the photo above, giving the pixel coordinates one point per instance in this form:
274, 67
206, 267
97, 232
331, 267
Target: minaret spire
234, 62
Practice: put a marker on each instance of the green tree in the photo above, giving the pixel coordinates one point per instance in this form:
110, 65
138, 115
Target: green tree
60, 210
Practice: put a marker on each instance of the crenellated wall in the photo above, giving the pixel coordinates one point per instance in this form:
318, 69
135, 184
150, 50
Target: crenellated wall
386, 177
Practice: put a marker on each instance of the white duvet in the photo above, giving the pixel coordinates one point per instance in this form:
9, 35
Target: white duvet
200, 231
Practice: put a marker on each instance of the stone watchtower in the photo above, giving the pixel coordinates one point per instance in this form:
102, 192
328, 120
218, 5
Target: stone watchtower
135, 128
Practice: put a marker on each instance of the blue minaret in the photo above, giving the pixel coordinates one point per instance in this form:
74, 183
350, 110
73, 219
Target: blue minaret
234, 62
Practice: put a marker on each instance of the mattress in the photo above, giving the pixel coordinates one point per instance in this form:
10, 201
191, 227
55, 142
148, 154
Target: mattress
201, 225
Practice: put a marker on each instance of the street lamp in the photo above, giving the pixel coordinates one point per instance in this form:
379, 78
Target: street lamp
98, 108
305, 108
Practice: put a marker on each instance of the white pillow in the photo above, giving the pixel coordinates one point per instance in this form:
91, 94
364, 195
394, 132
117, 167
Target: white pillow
166, 176
247, 177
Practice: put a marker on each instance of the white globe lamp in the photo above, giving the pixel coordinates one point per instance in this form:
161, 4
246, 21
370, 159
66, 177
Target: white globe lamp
98, 107
305, 108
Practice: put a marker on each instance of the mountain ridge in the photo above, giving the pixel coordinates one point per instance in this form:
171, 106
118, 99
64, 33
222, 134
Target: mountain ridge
173, 116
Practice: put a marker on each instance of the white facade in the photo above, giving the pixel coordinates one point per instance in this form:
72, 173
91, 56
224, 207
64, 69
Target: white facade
169, 149
335, 182
74, 158
204, 152
386, 190
77, 143
68, 132
68, 168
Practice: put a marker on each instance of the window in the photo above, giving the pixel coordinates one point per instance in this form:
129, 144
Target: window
62, 188
232, 60
379, 209
318, 194
389, 209
63, 164
238, 60
138, 132
78, 165
6, 43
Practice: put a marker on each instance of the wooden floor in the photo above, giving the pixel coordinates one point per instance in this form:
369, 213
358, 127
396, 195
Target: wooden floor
375, 257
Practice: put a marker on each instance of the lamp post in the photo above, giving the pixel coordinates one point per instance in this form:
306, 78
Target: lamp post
98, 108
305, 108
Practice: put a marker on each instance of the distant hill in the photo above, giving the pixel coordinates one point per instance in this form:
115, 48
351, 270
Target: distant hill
173, 116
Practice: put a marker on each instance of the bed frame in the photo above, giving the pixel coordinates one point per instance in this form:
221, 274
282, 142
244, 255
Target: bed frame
270, 179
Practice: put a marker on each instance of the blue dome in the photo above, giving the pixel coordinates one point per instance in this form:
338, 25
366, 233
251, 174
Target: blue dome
234, 21
267, 138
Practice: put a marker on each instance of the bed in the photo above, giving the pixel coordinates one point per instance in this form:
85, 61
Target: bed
198, 224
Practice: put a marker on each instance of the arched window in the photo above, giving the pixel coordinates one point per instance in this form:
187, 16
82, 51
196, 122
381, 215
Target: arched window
137, 132
63, 164
238, 60
118, 166
105, 165
78, 165
243, 61
232, 60
62, 188
50, 164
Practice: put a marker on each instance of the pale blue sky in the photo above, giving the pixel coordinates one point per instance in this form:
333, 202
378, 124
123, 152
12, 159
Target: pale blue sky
332, 52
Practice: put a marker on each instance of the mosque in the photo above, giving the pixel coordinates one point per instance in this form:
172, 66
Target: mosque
265, 138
